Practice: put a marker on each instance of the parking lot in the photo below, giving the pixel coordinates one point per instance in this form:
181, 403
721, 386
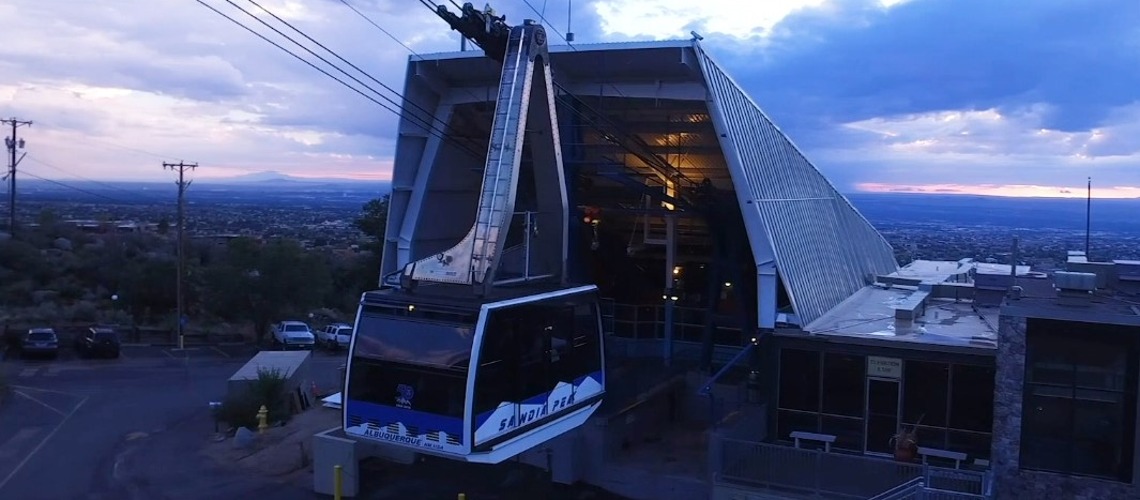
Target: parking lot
69, 427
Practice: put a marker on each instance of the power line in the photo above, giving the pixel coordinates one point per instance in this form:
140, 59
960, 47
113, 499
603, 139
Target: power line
14, 143
181, 167
74, 188
119, 146
430, 130
429, 123
80, 177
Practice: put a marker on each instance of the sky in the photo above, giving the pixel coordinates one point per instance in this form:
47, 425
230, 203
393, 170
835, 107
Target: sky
1000, 97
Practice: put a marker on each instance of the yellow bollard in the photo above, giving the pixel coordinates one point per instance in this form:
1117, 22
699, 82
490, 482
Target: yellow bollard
462, 496
338, 483
262, 419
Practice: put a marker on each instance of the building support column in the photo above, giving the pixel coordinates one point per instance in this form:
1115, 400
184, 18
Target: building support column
409, 217
670, 280
766, 292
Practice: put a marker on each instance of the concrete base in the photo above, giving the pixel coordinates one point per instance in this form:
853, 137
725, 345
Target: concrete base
332, 448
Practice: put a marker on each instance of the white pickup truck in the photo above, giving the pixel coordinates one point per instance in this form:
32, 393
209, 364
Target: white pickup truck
293, 335
336, 336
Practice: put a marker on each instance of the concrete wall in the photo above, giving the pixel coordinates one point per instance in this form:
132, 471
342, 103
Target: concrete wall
1011, 481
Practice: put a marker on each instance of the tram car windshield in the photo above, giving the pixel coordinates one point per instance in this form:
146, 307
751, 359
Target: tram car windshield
480, 380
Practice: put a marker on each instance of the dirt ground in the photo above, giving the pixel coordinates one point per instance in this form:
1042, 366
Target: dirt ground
283, 453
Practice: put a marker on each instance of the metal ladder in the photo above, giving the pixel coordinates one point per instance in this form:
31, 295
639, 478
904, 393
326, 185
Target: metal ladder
499, 175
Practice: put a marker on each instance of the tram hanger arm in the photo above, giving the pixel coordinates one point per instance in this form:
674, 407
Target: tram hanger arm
490, 32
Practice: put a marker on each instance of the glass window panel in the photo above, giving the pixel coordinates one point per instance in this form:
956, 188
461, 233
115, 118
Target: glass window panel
1045, 414
848, 432
408, 340
973, 444
1100, 366
972, 398
788, 422
799, 379
843, 383
925, 392
931, 437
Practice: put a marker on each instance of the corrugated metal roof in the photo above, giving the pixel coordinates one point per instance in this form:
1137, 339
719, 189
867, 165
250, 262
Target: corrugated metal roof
825, 249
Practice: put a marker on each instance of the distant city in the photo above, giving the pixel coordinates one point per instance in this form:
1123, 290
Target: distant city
319, 212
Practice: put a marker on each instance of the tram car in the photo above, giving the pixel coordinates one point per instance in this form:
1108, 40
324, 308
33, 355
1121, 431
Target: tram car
478, 379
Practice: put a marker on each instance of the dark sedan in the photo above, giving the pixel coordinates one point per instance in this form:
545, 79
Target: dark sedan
98, 342
40, 342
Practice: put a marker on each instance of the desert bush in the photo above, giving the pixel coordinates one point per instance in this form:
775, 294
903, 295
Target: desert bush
240, 409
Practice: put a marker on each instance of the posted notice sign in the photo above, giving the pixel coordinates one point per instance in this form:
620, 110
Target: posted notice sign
884, 367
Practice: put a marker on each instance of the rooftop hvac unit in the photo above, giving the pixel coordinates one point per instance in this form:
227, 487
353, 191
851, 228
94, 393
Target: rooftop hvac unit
1083, 282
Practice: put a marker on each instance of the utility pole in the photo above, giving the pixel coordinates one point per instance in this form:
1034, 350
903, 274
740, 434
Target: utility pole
181, 168
14, 143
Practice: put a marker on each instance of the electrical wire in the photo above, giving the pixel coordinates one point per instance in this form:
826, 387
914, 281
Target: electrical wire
101, 183
427, 112
69, 186
321, 70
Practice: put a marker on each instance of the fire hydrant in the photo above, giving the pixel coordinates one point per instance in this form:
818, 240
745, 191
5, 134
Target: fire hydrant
262, 419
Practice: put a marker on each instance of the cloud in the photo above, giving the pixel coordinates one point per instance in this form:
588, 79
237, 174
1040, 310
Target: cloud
911, 94
115, 85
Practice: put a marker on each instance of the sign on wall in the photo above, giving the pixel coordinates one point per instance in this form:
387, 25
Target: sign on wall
884, 367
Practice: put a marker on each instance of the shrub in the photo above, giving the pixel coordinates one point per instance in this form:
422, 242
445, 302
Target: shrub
240, 409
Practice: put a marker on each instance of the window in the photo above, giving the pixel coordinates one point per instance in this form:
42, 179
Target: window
972, 398
925, 387
799, 380
415, 341
952, 405
528, 349
843, 384
434, 390
822, 392
1079, 401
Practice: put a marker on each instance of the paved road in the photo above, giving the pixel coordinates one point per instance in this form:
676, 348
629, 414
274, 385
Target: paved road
131, 428
68, 425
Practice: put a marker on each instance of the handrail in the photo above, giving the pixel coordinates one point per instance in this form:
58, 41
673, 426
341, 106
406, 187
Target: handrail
903, 490
706, 389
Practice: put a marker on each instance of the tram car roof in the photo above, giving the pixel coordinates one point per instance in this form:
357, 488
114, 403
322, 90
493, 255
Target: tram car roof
459, 297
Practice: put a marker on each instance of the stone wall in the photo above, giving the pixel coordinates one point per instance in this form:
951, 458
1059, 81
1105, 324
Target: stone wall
1011, 482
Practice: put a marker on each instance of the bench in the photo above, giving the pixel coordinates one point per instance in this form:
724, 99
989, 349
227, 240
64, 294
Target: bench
957, 457
826, 439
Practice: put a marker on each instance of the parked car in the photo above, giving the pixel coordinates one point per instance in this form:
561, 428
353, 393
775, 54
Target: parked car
98, 341
336, 336
294, 335
40, 342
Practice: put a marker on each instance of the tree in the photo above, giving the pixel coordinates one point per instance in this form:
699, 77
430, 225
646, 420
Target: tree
262, 282
163, 226
373, 222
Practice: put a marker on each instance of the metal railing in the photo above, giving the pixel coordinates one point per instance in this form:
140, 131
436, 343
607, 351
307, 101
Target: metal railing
647, 322
780, 468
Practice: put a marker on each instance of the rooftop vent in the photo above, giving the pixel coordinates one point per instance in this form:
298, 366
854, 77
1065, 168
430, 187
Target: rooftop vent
1074, 282
912, 307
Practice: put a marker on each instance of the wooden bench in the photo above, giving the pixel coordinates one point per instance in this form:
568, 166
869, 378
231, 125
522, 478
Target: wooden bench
957, 457
826, 439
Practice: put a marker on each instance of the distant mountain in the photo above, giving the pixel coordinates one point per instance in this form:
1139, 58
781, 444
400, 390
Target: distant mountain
270, 176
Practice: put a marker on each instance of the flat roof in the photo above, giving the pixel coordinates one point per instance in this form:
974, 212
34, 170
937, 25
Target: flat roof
942, 270
1039, 299
870, 314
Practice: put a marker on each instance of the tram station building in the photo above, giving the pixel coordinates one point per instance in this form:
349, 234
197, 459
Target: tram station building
724, 251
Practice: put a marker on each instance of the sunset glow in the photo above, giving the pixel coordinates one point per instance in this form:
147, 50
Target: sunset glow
1009, 190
